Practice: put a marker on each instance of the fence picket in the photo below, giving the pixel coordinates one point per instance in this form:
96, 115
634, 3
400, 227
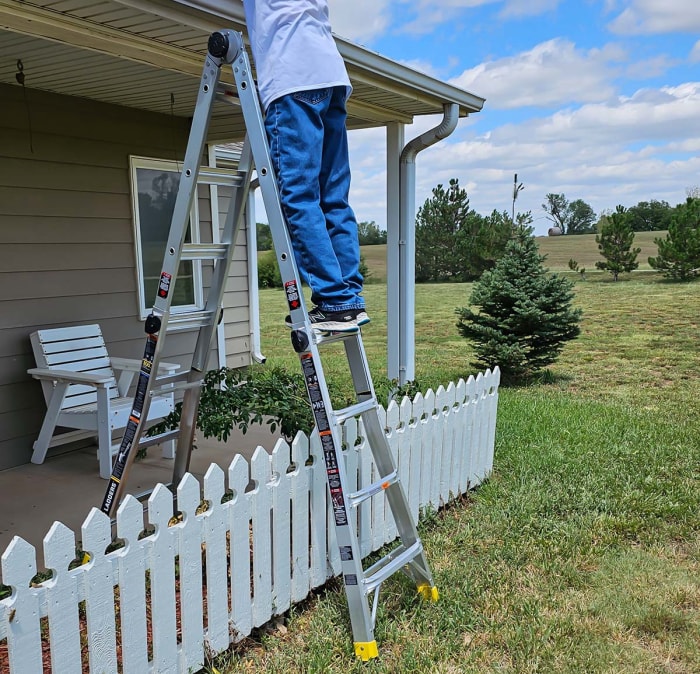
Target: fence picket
22, 615
457, 423
131, 564
301, 515
98, 584
189, 535
238, 522
281, 529
62, 596
214, 522
263, 549
162, 575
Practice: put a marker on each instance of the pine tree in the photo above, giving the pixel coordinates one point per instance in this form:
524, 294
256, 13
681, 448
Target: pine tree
679, 252
524, 314
453, 241
615, 244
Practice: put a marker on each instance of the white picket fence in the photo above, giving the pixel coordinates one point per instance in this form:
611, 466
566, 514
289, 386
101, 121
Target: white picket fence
243, 551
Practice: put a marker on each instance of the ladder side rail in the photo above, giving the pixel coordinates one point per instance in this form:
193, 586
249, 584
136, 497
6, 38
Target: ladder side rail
205, 337
171, 259
188, 184
331, 441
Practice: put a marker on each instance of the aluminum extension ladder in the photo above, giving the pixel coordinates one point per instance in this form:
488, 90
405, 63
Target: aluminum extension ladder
361, 585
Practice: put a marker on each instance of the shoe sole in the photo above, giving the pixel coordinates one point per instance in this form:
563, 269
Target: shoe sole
335, 326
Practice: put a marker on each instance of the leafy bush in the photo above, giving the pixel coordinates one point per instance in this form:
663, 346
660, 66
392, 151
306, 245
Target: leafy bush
524, 313
268, 271
241, 397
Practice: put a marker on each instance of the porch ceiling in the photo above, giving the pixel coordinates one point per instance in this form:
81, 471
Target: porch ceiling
148, 54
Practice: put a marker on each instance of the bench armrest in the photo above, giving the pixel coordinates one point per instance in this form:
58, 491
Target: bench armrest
133, 365
96, 380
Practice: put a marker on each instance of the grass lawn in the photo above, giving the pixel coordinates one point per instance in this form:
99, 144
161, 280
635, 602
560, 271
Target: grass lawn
582, 552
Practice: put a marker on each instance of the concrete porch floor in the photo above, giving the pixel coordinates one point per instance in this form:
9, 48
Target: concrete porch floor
67, 486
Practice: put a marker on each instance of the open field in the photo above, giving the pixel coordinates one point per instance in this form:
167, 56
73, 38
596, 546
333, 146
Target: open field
558, 249
581, 554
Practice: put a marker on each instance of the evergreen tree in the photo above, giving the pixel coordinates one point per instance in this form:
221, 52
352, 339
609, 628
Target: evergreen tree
615, 244
524, 314
438, 223
679, 252
454, 242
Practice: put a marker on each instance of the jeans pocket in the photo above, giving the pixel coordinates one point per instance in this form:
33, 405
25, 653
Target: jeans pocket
312, 96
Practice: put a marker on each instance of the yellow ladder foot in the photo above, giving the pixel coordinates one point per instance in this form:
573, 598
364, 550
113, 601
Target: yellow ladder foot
429, 593
366, 650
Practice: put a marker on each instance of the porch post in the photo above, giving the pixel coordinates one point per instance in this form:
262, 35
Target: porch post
394, 145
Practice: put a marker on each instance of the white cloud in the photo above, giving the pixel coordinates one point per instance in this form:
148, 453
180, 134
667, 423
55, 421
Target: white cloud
621, 151
427, 14
645, 17
695, 52
518, 8
359, 20
552, 72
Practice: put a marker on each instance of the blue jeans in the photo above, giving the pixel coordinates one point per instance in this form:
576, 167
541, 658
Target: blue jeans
309, 150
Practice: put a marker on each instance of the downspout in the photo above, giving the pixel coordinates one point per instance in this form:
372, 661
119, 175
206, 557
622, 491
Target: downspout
407, 240
253, 295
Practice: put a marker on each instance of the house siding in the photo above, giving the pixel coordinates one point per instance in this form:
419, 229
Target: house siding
67, 253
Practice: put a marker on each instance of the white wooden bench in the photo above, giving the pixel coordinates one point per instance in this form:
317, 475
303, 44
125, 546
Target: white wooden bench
87, 390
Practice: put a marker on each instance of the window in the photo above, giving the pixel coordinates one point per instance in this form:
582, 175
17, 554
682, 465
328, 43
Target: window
154, 184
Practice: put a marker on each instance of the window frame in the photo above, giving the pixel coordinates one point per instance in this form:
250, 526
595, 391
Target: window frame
145, 304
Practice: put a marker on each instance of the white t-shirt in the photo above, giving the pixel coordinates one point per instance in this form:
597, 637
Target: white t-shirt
293, 47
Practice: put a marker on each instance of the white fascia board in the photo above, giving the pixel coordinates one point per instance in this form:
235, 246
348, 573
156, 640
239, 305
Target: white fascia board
366, 65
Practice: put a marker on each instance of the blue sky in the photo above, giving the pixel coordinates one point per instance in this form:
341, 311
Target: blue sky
596, 99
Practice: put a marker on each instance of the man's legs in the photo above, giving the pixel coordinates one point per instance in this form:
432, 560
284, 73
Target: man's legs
295, 131
335, 187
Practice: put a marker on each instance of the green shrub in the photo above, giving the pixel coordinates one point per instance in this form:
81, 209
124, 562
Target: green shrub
524, 313
236, 398
268, 271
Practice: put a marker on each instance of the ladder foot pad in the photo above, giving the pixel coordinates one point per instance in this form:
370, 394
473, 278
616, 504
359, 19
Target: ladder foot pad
366, 650
428, 593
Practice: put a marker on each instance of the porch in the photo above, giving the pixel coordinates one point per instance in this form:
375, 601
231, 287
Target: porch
66, 486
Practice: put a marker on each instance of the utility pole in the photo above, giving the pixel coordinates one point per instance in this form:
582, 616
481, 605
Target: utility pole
516, 189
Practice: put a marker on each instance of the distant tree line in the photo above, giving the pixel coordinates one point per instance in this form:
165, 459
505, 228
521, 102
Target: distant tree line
369, 233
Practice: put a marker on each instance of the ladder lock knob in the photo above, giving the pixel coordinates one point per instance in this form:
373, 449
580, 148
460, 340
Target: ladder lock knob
152, 325
300, 341
218, 45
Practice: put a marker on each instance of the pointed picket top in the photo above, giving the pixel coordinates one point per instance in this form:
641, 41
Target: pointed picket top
497, 376
238, 476
279, 460
392, 417
160, 507
479, 392
300, 451
260, 469
214, 487
405, 412
460, 392
450, 397
188, 496
96, 534
59, 548
18, 563
130, 519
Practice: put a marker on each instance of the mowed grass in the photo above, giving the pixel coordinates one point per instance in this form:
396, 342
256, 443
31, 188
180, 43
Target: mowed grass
581, 553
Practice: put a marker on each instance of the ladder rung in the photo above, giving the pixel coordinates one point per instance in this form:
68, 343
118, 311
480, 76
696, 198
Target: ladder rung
357, 497
165, 379
355, 410
171, 388
330, 337
387, 566
192, 319
205, 251
157, 439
